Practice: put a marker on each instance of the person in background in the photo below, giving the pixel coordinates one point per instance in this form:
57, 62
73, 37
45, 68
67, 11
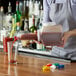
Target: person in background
62, 12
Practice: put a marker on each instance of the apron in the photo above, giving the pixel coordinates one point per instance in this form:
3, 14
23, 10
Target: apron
63, 12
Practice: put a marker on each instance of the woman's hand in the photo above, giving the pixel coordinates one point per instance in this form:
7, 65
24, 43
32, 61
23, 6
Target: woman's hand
66, 35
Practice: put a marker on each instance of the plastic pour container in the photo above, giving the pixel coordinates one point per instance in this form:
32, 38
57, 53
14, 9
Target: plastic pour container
51, 35
51, 39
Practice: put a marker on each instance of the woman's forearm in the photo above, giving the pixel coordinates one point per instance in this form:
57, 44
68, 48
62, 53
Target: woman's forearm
73, 32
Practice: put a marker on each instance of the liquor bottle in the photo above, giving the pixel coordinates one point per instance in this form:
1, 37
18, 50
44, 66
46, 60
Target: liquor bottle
24, 6
1, 17
20, 7
26, 17
36, 8
33, 27
25, 43
16, 21
31, 15
9, 8
31, 8
18, 17
8, 17
26, 25
3, 31
36, 13
27, 10
41, 11
26, 14
25, 20
18, 13
40, 46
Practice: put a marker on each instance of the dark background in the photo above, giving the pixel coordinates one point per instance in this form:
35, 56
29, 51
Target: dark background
4, 3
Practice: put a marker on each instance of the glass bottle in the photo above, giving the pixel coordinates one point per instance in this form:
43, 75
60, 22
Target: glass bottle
9, 8
33, 27
27, 10
1, 17
31, 8
3, 31
8, 18
24, 6
21, 7
18, 13
36, 8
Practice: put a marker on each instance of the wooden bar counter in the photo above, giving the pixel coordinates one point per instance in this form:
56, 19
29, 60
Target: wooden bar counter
32, 66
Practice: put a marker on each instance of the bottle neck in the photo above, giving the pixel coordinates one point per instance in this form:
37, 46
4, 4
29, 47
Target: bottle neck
17, 6
27, 3
27, 10
33, 20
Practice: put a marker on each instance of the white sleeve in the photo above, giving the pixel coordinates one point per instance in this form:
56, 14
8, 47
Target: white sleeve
46, 9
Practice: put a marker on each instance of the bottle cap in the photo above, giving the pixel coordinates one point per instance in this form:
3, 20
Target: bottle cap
49, 65
60, 66
56, 64
17, 2
9, 3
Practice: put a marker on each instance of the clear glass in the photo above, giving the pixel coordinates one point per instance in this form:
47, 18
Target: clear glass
12, 53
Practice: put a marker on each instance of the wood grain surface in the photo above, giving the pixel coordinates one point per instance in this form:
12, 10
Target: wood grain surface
32, 66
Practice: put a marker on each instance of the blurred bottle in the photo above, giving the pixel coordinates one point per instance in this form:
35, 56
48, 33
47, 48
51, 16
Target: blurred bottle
8, 18
31, 8
21, 7
26, 25
18, 13
40, 46
22, 26
36, 8
18, 17
1, 17
24, 6
26, 43
24, 29
16, 21
26, 17
9, 9
3, 31
33, 15
27, 10
33, 28
37, 13
40, 11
